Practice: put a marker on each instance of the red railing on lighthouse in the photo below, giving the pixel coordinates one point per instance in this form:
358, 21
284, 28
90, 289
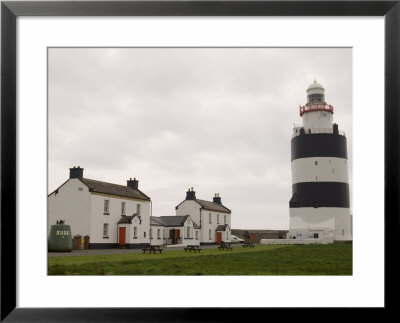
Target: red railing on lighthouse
316, 107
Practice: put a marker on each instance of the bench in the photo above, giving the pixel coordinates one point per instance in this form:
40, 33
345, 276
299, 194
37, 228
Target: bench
248, 245
151, 249
225, 246
192, 247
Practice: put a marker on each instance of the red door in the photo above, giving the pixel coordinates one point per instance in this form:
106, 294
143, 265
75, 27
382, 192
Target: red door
122, 234
219, 237
177, 236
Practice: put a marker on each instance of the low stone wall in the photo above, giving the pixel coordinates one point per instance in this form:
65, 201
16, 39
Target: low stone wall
296, 241
257, 235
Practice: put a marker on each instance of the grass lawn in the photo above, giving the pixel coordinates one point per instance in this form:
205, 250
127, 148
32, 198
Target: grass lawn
333, 259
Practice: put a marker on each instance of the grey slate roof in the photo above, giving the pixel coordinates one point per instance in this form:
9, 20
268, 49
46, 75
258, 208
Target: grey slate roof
125, 219
129, 218
171, 221
213, 206
114, 189
222, 227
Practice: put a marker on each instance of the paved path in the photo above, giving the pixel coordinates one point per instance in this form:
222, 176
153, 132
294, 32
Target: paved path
114, 251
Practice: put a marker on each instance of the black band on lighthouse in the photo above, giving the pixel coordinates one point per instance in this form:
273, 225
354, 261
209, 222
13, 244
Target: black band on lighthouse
319, 145
320, 194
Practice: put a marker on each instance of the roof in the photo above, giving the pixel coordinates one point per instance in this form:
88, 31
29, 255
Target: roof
128, 219
222, 227
315, 88
114, 189
315, 85
171, 221
212, 206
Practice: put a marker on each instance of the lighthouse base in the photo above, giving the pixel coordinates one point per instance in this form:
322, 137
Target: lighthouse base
320, 223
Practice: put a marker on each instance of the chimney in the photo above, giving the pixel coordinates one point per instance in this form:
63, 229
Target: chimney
76, 172
217, 199
133, 183
335, 129
190, 194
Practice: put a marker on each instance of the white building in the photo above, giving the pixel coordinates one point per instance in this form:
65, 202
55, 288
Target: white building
174, 230
115, 215
110, 214
320, 203
213, 218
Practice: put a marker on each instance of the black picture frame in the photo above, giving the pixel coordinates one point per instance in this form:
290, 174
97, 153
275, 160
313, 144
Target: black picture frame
11, 10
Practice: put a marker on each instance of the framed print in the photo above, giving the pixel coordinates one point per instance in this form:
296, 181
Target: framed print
46, 42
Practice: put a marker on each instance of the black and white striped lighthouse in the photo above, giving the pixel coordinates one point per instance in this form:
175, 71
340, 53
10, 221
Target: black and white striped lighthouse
320, 203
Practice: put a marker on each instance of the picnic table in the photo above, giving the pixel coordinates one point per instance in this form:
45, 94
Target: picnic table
248, 245
192, 247
151, 249
225, 246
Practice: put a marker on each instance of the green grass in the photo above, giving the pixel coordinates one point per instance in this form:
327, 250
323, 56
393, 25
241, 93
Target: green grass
334, 259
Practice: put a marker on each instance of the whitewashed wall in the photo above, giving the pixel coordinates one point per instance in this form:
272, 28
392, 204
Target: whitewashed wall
192, 236
98, 218
317, 119
190, 207
206, 225
155, 241
201, 217
331, 220
76, 213
343, 226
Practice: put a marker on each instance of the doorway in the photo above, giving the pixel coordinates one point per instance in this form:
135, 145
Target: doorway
122, 236
219, 237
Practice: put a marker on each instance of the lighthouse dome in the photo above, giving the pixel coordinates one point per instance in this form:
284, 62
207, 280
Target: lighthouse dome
315, 92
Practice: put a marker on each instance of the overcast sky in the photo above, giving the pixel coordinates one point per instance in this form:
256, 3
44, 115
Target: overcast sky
216, 119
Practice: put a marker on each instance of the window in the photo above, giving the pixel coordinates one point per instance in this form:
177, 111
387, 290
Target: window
197, 235
209, 234
316, 98
135, 232
158, 234
224, 218
217, 218
105, 230
188, 232
106, 206
209, 217
315, 236
316, 163
144, 234
138, 209
122, 208
151, 233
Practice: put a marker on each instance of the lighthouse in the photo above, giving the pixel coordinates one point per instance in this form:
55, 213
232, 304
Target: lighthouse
320, 204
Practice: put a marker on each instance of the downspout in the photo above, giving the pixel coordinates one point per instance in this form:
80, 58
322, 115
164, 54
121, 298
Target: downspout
151, 214
201, 229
